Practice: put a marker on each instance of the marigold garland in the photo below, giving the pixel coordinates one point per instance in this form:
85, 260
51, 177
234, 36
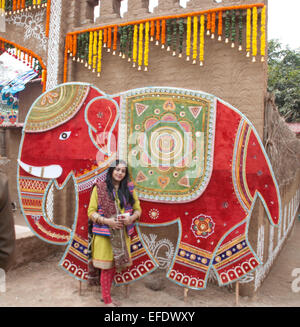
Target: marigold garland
115, 39
201, 49
95, 50
104, 37
141, 36
263, 34
99, 55
90, 50
248, 32
146, 50
188, 37
157, 31
220, 25
163, 33
109, 39
213, 24
195, 38
254, 33
135, 36
208, 25
33, 59
152, 30
134, 50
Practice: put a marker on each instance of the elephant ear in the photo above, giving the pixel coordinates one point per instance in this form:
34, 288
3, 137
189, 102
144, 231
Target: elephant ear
55, 107
102, 114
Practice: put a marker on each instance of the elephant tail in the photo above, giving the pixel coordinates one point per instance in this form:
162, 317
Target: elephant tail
253, 174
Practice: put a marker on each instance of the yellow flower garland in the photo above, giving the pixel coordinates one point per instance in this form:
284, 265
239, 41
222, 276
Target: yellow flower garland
90, 49
99, 54
95, 38
2, 7
141, 36
201, 50
134, 49
195, 38
263, 34
254, 33
248, 32
188, 37
146, 51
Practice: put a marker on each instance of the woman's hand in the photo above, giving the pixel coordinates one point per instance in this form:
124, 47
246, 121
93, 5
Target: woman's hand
127, 220
114, 223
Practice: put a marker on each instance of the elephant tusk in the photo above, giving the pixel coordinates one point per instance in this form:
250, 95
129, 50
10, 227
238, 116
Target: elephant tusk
51, 171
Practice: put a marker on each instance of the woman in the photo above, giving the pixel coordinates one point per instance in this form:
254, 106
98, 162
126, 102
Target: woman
113, 208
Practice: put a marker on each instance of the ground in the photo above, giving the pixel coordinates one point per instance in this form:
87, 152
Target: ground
45, 284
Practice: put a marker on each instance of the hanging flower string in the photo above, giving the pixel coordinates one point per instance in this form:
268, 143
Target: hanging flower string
188, 37
263, 34
132, 38
248, 32
201, 49
220, 25
146, 50
195, 38
254, 34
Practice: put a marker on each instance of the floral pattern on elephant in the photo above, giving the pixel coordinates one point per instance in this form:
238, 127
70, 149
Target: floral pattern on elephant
195, 161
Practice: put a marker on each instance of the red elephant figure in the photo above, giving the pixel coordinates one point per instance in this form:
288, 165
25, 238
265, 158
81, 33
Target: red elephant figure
194, 160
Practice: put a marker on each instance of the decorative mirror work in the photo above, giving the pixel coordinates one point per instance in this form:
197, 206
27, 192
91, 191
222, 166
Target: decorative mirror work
182, 34
77, 130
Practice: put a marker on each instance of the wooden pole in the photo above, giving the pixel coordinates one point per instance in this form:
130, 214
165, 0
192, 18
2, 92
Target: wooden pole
80, 288
237, 293
127, 290
185, 293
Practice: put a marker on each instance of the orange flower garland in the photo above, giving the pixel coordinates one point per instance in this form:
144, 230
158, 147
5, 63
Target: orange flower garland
157, 29
220, 25
30, 55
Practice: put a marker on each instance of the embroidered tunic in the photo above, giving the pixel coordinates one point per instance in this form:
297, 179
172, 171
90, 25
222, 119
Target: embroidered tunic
102, 252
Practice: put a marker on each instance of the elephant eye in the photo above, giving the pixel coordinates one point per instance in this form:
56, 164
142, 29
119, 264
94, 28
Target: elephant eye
64, 135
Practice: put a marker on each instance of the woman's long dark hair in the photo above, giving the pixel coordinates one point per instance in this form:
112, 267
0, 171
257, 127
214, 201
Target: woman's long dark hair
124, 195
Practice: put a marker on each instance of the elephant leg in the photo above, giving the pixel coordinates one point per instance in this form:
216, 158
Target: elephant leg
142, 262
190, 266
75, 259
234, 257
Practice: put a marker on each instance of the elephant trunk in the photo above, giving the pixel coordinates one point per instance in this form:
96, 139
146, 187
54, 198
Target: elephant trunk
32, 192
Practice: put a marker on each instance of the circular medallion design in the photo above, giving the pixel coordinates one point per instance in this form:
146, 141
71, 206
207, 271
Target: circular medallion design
202, 226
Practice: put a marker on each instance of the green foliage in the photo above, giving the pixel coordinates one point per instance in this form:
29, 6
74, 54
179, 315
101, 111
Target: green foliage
284, 79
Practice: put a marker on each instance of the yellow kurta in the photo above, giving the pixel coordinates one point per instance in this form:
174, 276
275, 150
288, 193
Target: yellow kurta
101, 247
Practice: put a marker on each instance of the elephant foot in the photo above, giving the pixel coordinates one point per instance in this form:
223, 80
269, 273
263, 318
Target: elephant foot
75, 259
190, 268
234, 260
142, 264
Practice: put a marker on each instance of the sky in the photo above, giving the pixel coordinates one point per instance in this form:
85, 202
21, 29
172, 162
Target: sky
283, 20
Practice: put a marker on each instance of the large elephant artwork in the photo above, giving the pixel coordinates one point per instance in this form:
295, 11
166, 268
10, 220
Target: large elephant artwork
194, 160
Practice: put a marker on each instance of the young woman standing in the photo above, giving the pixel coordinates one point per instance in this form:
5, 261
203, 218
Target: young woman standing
113, 209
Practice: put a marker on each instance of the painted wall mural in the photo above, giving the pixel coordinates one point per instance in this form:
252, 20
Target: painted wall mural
195, 160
